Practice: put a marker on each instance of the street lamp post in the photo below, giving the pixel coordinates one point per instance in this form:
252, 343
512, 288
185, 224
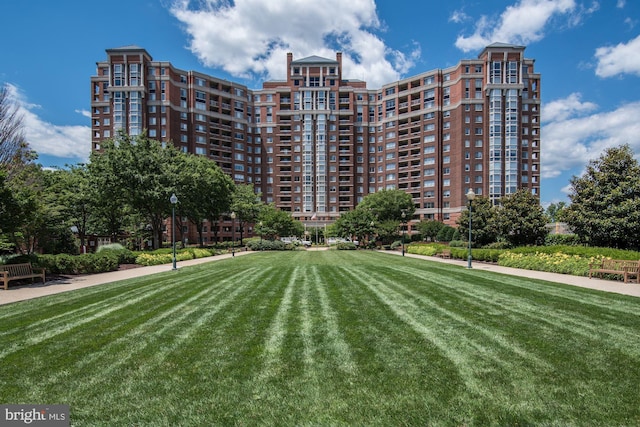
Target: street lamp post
173, 199
470, 196
404, 223
260, 225
233, 234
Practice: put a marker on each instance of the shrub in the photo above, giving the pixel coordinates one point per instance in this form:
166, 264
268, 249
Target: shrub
270, 245
110, 247
124, 255
485, 255
427, 250
200, 252
562, 239
552, 262
79, 264
458, 244
498, 245
148, 259
346, 246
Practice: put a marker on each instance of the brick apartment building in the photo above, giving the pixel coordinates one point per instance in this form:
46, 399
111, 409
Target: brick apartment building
316, 143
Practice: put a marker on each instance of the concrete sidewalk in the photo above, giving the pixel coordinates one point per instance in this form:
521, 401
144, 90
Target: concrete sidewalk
25, 292
29, 291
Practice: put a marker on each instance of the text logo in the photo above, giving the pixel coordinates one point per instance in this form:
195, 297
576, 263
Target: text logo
34, 415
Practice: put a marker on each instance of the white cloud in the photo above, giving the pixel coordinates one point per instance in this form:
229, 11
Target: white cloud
521, 23
621, 4
84, 113
250, 38
620, 59
458, 17
570, 142
47, 138
562, 109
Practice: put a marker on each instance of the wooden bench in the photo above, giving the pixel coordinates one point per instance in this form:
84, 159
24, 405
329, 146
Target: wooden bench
625, 268
11, 272
445, 254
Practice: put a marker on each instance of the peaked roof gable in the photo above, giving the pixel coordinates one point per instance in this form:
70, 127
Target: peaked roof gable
314, 60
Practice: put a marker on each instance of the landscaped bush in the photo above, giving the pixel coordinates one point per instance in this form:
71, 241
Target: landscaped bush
125, 256
79, 264
396, 244
346, 246
561, 239
498, 245
426, 250
148, 259
484, 255
201, 252
583, 251
270, 245
552, 262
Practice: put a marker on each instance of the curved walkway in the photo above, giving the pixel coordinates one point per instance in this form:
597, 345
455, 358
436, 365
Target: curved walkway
25, 292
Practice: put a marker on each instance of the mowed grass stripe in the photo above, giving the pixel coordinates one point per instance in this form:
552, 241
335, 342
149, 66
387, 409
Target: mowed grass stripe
333, 333
79, 314
278, 329
493, 300
126, 334
168, 335
482, 335
432, 328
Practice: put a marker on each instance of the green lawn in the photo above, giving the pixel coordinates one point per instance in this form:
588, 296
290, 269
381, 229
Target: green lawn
327, 338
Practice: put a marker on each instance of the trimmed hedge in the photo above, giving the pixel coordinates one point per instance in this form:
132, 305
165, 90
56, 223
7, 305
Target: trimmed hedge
346, 246
270, 245
79, 264
162, 256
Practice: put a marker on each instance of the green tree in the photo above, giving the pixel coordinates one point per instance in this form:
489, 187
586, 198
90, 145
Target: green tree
605, 201
446, 233
429, 229
520, 219
555, 211
356, 224
111, 212
9, 213
277, 223
141, 173
483, 226
71, 193
388, 205
246, 204
29, 212
204, 191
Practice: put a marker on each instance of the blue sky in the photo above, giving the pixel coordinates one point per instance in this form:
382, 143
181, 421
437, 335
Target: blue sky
588, 52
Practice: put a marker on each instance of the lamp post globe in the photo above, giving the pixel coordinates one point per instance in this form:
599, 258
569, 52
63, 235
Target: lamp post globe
470, 196
173, 199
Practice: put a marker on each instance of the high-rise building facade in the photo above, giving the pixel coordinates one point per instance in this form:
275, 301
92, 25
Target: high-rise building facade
316, 143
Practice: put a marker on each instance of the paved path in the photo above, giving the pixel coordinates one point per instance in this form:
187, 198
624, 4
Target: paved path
21, 293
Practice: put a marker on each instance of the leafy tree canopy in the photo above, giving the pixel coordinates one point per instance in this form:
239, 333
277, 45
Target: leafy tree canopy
388, 205
605, 201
